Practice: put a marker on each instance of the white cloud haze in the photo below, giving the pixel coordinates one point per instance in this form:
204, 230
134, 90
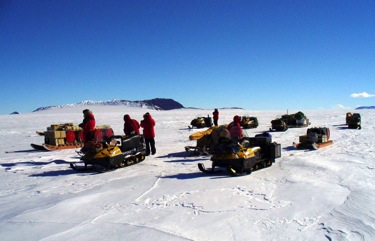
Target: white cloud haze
362, 95
339, 106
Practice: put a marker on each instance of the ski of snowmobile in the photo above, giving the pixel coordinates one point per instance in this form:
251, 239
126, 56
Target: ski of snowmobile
91, 168
202, 168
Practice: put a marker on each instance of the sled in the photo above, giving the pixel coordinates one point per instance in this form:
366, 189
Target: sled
69, 136
315, 138
297, 120
312, 146
47, 147
206, 140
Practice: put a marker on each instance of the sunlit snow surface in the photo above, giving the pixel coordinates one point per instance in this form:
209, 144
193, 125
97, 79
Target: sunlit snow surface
327, 194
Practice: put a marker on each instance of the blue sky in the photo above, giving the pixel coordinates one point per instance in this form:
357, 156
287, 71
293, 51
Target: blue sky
257, 55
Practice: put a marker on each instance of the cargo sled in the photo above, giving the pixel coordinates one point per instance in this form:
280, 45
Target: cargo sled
296, 120
353, 120
315, 138
251, 154
249, 122
201, 122
121, 151
206, 140
68, 136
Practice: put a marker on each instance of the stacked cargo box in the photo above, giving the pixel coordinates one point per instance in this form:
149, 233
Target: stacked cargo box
55, 137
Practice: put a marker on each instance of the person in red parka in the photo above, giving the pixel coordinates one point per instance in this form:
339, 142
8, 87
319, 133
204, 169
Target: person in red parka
236, 119
236, 132
148, 124
235, 129
88, 126
131, 126
215, 116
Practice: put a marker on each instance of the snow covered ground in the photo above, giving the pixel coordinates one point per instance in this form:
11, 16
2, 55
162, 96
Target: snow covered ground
328, 194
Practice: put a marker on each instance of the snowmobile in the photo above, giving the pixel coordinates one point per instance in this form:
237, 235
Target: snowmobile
249, 122
206, 140
241, 158
68, 136
278, 125
354, 121
315, 138
296, 120
121, 151
201, 122
348, 116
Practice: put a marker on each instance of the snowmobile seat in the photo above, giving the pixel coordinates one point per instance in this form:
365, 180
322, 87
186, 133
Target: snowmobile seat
261, 141
130, 142
226, 146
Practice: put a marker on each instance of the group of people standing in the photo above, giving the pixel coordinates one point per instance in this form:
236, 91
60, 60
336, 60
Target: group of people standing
131, 127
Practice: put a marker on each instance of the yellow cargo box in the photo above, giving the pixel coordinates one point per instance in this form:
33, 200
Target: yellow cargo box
55, 134
323, 138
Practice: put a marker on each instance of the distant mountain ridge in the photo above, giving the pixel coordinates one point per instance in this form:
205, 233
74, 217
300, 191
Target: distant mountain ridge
365, 107
155, 104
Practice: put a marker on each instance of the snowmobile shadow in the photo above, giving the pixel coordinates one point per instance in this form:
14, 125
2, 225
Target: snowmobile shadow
24, 151
340, 125
343, 128
9, 165
176, 154
289, 148
185, 129
184, 176
186, 160
54, 173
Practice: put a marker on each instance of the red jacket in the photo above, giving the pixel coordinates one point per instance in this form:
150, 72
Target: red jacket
148, 126
236, 131
131, 126
236, 120
87, 125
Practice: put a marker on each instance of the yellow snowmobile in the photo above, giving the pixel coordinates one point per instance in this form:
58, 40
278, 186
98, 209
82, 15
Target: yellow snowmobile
354, 121
249, 122
121, 151
201, 122
252, 153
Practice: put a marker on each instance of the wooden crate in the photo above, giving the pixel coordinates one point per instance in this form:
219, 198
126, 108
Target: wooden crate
323, 138
55, 134
54, 141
